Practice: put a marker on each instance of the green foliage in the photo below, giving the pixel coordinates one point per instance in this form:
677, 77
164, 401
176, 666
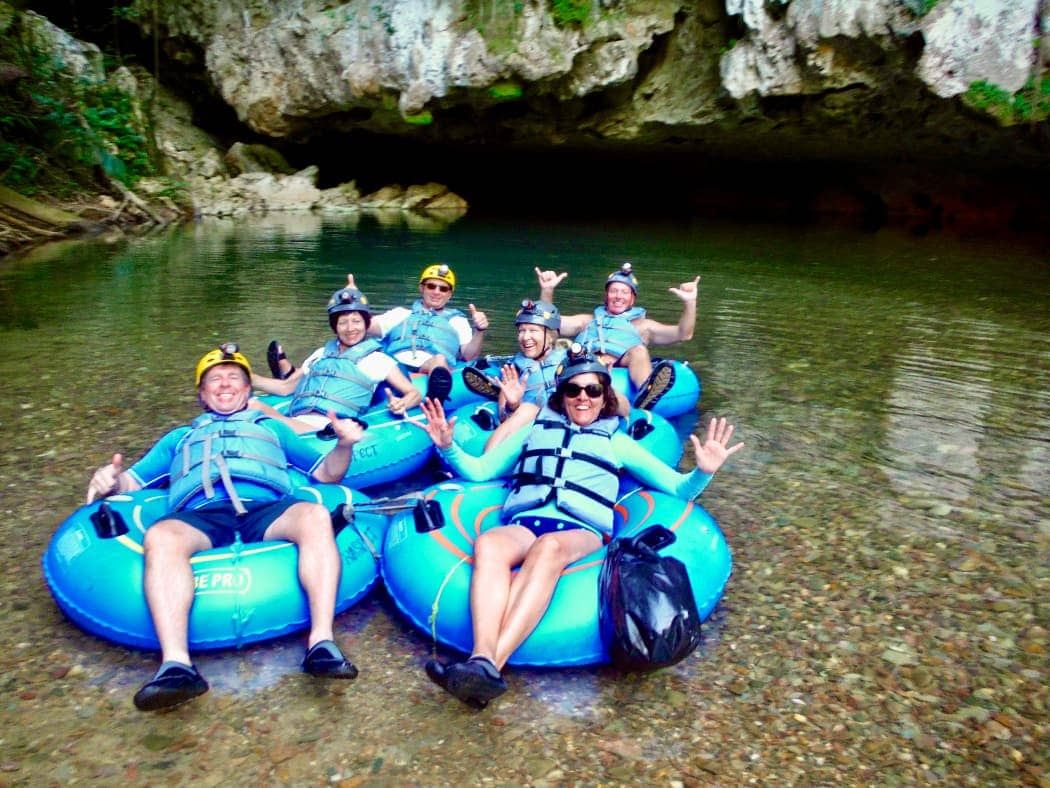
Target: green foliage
383, 16
1026, 105
570, 12
126, 13
920, 7
496, 20
423, 118
505, 90
56, 128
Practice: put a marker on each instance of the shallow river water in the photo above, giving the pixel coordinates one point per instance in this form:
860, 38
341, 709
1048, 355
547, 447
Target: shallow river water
886, 620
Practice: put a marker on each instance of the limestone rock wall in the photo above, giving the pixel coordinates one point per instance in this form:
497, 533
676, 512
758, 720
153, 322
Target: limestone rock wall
729, 74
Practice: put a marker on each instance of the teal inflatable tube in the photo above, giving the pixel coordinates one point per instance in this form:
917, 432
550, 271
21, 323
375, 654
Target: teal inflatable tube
428, 574
391, 448
244, 593
682, 397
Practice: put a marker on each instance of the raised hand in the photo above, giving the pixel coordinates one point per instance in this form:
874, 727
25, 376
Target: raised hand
687, 291
106, 479
350, 281
394, 403
549, 279
478, 318
437, 426
715, 450
513, 386
348, 431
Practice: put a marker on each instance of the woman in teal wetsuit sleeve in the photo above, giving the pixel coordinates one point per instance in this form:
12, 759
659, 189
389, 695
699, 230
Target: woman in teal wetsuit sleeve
564, 472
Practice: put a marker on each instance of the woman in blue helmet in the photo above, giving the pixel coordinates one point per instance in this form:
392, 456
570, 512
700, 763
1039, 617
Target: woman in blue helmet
342, 375
564, 477
528, 379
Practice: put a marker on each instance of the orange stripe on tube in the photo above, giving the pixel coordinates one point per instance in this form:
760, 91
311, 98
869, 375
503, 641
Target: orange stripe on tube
445, 542
685, 513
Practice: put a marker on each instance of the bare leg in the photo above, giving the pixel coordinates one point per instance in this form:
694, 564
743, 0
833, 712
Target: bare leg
639, 364
525, 414
496, 553
435, 361
299, 426
309, 525
533, 586
168, 583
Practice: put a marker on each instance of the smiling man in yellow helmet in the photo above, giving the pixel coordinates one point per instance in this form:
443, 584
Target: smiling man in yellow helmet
227, 478
430, 336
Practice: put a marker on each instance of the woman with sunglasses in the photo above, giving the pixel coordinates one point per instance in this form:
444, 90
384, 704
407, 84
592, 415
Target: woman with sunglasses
564, 480
341, 376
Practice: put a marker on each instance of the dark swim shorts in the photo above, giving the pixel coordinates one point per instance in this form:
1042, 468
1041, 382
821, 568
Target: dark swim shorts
221, 523
547, 525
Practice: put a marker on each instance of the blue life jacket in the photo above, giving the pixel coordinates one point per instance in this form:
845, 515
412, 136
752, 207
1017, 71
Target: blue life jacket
334, 382
585, 488
425, 330
611, 334
225, 449
540, 383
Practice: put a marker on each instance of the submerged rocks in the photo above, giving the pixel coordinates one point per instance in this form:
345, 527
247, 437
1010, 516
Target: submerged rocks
255, 178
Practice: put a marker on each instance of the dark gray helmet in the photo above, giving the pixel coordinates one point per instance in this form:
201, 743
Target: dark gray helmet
579, 360
624, 275
540, 313
349, 299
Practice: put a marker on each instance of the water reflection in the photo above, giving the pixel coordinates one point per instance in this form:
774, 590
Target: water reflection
889, 513
961, 413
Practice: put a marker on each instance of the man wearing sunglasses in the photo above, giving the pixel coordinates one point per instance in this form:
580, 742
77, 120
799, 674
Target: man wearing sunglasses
619, 333
430, 336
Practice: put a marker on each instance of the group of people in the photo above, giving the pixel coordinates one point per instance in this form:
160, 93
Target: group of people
227, 472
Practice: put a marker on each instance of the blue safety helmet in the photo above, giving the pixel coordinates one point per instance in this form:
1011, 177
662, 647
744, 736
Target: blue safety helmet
349, 299
579, 360
625, 276
540, 313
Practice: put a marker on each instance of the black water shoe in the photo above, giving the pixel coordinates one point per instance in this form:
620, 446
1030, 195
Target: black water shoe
475, 682
173, 685
656, 385
274, 356
438, 672
485, 419
325, 660
480, 383
439, 384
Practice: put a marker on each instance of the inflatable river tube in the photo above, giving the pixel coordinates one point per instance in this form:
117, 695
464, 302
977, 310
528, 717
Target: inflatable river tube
682, 397
244, 593
428, 573
476, 423
459, 396
391, 448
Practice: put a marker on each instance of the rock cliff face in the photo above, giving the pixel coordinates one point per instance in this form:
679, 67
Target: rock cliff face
827, 77
899, 89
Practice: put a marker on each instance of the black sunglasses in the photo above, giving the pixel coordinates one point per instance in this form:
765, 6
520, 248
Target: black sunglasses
436, 286
593, 390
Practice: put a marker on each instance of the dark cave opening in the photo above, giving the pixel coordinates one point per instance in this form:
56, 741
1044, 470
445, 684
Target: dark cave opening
744, 173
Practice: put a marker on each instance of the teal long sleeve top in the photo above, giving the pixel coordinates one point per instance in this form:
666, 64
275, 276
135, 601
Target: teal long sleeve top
639, 462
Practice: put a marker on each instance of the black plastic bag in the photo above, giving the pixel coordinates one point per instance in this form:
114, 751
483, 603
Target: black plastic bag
648, 616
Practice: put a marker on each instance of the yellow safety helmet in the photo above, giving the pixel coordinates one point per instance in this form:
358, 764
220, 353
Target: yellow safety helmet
438, 271
226, 353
